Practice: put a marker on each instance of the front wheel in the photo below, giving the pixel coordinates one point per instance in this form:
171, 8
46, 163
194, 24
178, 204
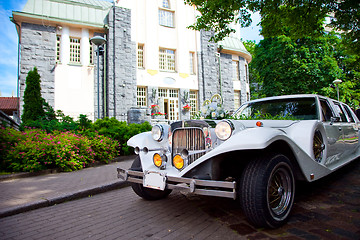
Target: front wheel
267, 190
144, 192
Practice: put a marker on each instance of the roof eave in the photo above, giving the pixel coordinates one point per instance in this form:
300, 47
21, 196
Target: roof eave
21, 16
243, 54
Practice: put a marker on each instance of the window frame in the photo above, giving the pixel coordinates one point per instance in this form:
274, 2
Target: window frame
142, 65
58, 49
91, 49
237, 101
75, 51
166, 17
193, 102
192, 63
141, 100
235, 70
168, 66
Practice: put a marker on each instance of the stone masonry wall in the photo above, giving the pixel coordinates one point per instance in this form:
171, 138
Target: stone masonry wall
209, 81
207, 68
227, 81
121, 64
38, 50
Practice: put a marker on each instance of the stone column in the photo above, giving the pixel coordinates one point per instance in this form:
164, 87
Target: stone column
121, 64
38, 48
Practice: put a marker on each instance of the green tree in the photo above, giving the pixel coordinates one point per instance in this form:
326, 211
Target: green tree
33, 102
303, 18
286, 66
254, 78
347, 20
350, 87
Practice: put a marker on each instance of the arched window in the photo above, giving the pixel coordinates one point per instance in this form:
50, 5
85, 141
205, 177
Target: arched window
166, 15
166, 4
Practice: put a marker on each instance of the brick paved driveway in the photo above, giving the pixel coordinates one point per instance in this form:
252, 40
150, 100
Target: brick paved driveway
327, 209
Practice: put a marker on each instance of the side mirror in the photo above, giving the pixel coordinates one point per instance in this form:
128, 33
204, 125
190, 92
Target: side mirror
334, 119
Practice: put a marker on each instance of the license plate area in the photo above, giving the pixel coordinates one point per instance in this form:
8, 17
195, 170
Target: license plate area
154, 180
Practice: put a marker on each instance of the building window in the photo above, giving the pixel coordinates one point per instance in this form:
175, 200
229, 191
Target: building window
141, 97
140, 56
237, 101
75, 50
236, 73
193, 98
166, 16
173, 93
162, 92
165, 4
58, 37
246, 73
167, 60
192, 62
91, 54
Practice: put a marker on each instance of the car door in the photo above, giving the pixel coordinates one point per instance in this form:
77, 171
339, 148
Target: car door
350, 131
334, 133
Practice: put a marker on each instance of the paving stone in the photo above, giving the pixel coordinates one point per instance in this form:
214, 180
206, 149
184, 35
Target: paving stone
303, 234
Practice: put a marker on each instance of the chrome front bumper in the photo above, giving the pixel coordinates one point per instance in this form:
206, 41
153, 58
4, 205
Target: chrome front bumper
196, 186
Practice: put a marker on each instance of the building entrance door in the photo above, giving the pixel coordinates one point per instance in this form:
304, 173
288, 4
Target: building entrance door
170, 99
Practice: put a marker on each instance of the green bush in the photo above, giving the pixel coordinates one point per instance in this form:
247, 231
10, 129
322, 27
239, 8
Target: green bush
61, 142
61, 122
120, 131
35, 149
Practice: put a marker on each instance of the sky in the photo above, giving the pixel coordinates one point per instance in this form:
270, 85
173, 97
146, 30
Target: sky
252, 32
9, 44
8, 47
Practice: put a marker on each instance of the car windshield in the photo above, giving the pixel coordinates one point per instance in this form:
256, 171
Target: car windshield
286, 109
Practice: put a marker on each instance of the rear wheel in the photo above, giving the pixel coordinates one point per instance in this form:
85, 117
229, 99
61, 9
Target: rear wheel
267, 189
144, 192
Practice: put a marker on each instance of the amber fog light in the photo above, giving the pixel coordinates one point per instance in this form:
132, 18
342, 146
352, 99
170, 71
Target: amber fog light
157, 160
178, 161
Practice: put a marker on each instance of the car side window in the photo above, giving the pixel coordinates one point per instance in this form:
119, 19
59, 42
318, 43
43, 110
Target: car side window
348, 111
340, 112
326, 110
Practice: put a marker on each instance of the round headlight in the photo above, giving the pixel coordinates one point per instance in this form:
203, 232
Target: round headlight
157, 132
223, 130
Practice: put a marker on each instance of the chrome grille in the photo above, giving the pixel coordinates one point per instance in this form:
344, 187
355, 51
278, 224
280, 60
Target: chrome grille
191, 139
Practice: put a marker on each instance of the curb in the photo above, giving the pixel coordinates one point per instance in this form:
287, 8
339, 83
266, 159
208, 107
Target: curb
50, 171
60, 199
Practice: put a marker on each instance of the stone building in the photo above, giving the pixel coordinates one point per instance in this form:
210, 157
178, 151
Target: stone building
150, 58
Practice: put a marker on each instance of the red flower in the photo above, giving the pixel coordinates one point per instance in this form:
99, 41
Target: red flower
187, 107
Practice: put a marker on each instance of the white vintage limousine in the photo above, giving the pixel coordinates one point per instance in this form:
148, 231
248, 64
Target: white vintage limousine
255, 157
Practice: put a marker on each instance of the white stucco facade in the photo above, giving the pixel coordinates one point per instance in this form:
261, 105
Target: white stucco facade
73, 85
74, 82
147, 32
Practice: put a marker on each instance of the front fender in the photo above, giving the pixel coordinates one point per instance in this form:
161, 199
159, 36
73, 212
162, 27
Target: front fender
261, 138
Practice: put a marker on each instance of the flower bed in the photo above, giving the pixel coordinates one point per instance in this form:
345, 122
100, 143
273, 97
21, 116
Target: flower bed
34, 150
